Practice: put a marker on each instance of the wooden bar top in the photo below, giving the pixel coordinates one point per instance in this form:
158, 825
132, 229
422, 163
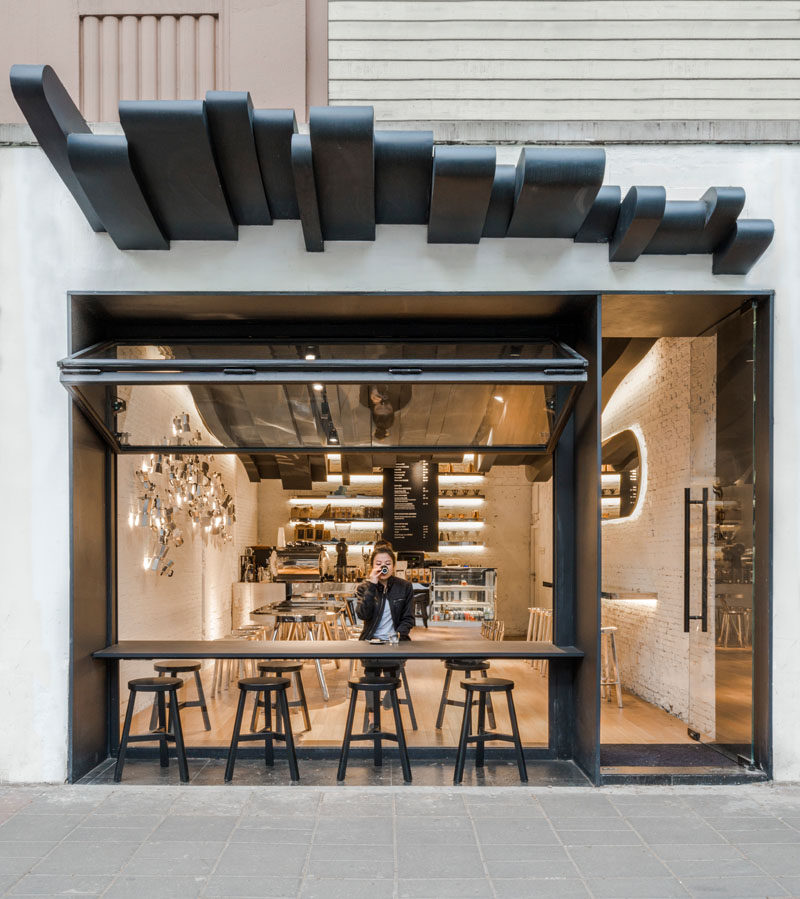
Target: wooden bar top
335, 649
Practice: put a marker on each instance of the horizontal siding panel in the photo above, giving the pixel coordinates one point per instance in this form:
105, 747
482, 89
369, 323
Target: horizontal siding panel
548, 60
567, 10
580, 110
595, 69
630, 30
500, 89
733, 53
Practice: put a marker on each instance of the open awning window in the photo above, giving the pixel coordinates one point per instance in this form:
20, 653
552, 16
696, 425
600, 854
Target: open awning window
340, 397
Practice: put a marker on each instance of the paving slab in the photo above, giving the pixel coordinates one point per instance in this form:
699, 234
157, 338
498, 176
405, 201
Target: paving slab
399, 841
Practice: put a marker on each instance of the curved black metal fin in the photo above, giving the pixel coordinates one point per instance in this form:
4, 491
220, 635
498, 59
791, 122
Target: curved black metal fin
53, 116
744, 247
462, 186
170, 146
639, 217
343, 153
723, 207
102, 166
599, 224
555, 190
501, 202
403, 172
681, 229
303, 169
273, 130
230, 121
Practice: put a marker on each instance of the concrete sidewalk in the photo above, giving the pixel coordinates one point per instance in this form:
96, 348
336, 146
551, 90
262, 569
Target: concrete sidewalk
330, 842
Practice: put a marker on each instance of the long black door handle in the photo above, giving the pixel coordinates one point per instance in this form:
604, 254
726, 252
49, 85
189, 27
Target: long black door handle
688, 502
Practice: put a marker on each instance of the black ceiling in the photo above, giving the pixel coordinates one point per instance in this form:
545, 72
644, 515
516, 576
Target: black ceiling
197, 169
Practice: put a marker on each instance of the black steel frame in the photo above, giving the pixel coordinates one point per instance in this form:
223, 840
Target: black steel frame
574, 696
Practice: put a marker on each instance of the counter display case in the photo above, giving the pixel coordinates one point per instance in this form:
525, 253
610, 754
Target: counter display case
463, 594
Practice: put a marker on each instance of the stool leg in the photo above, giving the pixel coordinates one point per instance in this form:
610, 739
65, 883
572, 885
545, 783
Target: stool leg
523, 771
401, 737
348, 730
237, 726
254, 716
411, 714
615, 663
479, 746
461, 754
489, 706
301, 695
123, 744
278, 716
202, 699
443, 701
163, 747
287, 729
269, 751
180, 748
365, 722
377, 745
154, 713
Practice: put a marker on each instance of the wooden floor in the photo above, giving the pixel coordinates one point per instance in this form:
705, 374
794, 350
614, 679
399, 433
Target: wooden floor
637, 722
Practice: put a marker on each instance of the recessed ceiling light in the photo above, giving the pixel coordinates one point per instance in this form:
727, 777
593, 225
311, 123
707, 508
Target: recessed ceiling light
317, 386
499, 398
310, 357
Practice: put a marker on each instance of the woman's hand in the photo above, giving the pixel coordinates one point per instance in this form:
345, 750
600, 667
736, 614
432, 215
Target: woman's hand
375, 574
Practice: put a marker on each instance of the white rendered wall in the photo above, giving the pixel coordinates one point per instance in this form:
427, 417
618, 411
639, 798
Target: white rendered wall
47, 249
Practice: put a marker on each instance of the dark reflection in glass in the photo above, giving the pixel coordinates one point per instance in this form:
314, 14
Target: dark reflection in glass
537, 349
316, 415
732, 520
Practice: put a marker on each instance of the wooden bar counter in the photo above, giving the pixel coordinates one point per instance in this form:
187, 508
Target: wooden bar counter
336, 649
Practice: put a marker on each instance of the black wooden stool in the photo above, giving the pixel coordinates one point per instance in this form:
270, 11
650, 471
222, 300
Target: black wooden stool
281, 669
372, 687
467, 666
483, 688
265, 685
389, 668
173, 668
159, 686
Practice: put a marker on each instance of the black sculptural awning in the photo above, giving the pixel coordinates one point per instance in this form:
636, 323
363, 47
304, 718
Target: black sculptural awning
197, 169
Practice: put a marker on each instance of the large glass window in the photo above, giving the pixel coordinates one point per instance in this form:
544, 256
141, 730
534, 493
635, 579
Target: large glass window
376, 396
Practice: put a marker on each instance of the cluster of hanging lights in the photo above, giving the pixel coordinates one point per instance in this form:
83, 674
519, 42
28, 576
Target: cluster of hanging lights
180, 495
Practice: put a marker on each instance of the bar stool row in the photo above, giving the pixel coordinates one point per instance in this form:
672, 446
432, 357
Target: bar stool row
381, 681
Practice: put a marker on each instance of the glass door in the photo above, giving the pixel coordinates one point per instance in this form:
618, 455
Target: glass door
719, 516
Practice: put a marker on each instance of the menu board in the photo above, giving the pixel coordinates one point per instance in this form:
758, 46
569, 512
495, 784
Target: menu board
411, 506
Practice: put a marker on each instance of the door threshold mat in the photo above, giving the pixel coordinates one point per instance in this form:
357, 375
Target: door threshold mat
663, 755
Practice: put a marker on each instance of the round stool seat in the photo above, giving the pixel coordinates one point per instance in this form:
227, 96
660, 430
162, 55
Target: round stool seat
373, 683
466, 664
275, 666
260, 684
608, 630
154, 684
488, 684
178, 665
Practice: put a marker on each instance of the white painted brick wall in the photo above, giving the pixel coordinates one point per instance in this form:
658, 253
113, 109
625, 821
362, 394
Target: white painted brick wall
195, 603
670, 396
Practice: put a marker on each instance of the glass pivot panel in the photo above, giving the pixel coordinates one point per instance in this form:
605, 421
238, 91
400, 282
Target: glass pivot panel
411, 397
